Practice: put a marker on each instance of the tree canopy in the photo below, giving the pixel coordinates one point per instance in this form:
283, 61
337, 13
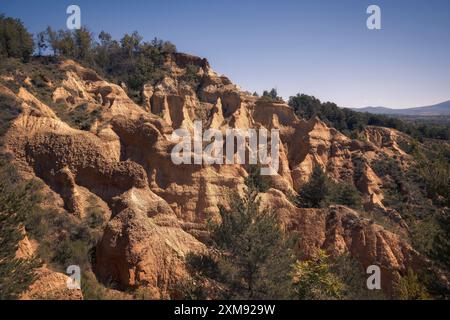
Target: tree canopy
15, 41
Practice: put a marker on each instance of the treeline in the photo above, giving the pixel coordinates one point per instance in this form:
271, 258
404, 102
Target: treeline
129, 60
351, 122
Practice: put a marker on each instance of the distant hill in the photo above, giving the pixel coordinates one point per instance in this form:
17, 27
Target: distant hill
441, 109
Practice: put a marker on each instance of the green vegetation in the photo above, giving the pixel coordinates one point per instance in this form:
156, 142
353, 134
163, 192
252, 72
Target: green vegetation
9, 110
79, 117
420, 195
314, 280
271, 95
314, 192
250, 257
324, 278
15, 41
44, 75
351, 122
191, 77
40, 71
441, 242
255, 180
321, 191
17, 201
66, 240
253, 258
130, 60
63, 238
410, 288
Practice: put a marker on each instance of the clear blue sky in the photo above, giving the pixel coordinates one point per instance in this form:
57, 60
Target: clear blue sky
319, 47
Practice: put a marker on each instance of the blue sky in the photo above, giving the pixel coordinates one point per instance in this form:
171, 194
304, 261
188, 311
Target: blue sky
320, 47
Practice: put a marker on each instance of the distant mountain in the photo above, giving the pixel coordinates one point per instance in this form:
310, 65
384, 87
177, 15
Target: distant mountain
441, 109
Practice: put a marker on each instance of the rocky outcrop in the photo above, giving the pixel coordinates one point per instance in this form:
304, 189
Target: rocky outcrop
341, 230
137, 251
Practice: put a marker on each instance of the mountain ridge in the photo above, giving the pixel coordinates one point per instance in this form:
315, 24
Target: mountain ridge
438, 109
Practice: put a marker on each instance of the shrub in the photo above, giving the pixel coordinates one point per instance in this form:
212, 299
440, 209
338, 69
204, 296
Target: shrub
344, 194
410, 288
314, 280
191, 76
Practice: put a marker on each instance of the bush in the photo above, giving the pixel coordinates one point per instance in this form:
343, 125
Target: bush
410, 288
255, 180
344, 194
314, 280
191, 77
321, 191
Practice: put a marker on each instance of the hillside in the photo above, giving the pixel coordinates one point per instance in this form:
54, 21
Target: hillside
440, 109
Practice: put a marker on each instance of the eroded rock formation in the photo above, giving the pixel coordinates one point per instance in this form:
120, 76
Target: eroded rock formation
158, 210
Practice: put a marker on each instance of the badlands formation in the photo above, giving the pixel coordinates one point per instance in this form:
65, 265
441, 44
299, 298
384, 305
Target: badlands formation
157, 211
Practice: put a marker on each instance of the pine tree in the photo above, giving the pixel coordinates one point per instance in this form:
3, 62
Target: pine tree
15, 41
255, 258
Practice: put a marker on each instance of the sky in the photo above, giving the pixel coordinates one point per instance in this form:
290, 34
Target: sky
322, 47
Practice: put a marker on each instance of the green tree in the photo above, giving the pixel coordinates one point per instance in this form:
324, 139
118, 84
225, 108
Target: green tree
65, 44
315, 191
271, 95
15, 41
436, 174
131, 43
84, 43
305, 106
255, 258
348, 121
105, 39
52, 39
191, 76
344, 194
